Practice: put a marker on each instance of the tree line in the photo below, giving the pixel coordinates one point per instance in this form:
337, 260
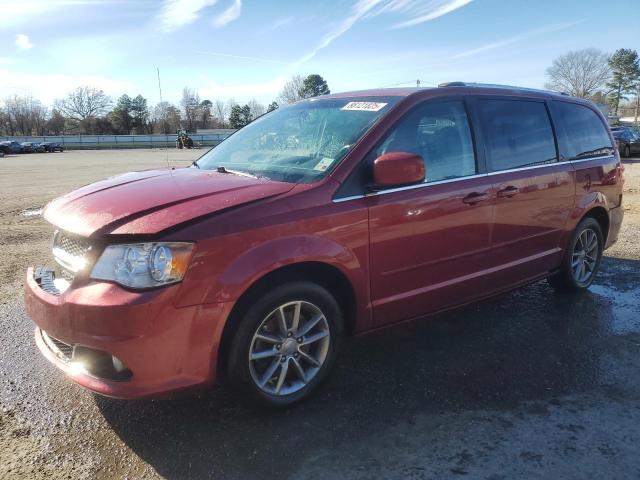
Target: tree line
89, 110
612, 79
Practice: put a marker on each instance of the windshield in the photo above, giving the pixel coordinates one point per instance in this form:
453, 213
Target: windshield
300, 143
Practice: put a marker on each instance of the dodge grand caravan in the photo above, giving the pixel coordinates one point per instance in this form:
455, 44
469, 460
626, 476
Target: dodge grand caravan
327, 218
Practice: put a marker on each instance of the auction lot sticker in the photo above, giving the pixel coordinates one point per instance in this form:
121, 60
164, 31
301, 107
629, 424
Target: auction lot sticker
366, 106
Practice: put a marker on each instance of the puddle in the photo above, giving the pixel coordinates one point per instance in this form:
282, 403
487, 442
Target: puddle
626, 308
31, 212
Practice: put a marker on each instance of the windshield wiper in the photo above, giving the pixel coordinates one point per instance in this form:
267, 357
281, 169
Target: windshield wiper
222, 169
195, 164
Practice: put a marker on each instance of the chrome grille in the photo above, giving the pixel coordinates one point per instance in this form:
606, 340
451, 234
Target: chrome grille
70, 253
64, 351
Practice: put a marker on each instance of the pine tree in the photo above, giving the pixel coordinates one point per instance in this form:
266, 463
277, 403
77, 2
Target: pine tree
625, 69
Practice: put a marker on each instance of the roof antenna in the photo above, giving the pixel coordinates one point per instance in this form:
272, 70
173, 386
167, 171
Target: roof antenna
164, 114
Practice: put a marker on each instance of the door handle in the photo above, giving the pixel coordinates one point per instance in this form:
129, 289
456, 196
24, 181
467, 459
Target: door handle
508, 192
475, 197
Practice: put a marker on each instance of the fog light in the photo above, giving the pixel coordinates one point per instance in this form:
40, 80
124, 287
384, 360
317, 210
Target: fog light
78, 368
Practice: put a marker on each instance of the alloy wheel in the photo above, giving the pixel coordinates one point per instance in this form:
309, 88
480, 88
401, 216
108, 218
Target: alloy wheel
585, 256
289, 348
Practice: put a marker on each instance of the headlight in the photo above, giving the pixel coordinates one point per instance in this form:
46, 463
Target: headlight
143, 265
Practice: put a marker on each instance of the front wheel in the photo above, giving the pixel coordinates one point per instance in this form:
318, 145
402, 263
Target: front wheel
582, 259
286, 344
626, 153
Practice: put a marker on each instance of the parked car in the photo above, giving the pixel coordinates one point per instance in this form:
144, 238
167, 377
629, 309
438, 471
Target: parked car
628, 140
52, 146
32, 147
11, 146
362, 210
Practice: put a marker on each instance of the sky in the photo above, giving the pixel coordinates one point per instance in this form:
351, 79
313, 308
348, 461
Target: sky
244, 49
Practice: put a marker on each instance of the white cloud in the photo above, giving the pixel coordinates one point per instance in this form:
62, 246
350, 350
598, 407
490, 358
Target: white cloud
517, 38
48, 87
241, 57
22, 12
277, 24
431, 11
420, 11
229, 15
243, 91
175, 14
23, 42
178, 13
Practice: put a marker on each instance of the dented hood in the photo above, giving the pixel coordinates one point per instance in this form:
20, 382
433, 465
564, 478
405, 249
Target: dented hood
151, 201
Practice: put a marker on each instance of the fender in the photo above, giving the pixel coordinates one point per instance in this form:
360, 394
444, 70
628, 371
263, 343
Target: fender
238, 275
582, 207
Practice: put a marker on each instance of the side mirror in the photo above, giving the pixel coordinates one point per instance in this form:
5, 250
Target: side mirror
395, 169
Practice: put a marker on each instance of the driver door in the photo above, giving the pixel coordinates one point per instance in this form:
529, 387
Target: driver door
429, 242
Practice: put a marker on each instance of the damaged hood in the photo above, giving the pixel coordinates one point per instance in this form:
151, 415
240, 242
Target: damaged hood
154, 200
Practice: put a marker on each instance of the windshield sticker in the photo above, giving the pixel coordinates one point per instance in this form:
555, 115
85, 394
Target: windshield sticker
365, 106
323, 164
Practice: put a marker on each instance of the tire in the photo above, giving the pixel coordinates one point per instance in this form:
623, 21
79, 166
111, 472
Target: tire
261, 378
570, 278
626, 153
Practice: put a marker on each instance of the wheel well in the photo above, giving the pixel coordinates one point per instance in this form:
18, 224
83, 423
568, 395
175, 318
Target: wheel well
600, 215
323, 274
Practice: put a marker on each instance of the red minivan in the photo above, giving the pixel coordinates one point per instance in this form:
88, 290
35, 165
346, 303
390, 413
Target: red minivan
328, 218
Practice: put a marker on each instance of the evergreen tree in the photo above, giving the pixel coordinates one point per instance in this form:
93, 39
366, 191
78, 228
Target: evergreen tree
625, 70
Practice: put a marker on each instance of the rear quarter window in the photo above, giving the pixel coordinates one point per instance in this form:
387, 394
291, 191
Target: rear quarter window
583, 133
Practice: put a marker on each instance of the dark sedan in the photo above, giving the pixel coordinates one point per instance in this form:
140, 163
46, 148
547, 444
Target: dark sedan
628, 140
32, 147
10, 146
52, 146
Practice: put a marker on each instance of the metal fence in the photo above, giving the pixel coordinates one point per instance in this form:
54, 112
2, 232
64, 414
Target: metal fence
73, 142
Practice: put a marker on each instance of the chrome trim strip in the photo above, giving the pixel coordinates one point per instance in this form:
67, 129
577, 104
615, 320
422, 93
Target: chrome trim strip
346, 199
408, 187
458, 179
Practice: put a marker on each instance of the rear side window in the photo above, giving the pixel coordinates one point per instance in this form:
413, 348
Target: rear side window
584, 133
517, 133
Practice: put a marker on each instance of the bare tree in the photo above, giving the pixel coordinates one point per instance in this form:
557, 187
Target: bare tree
165, 118
84, 103
220, 112
581, 73
25, 115
292, 90
256, 108
190, 104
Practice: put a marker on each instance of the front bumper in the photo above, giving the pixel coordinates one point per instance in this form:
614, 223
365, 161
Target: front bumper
165, 348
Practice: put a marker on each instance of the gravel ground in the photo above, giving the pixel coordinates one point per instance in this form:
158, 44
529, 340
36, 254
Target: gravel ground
530, 384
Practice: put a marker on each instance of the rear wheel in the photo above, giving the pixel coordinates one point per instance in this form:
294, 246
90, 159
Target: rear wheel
626, 153
582, 259
286, 344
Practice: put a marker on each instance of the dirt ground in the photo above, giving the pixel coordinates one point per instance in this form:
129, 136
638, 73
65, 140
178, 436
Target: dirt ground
50, 428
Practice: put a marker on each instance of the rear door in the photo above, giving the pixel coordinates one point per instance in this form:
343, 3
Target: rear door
429, 242
535, 192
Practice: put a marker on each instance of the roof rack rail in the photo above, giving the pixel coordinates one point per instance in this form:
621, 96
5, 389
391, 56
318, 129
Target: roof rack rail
452, 84
492, 85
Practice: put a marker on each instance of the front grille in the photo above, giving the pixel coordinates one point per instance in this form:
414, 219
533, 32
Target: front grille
76, 247
62, 350
70, 253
